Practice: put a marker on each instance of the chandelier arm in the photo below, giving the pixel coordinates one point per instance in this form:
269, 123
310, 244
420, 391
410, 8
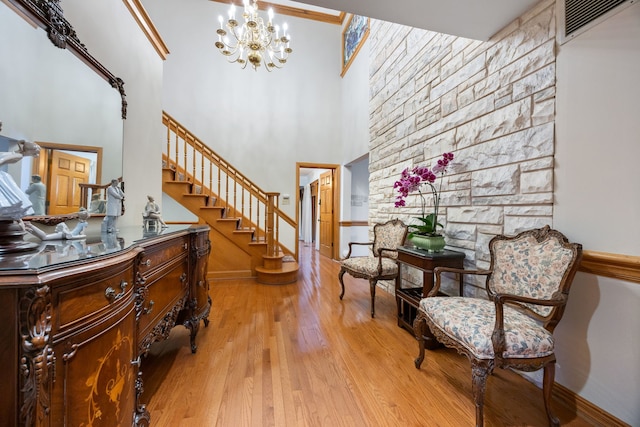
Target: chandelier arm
253, 38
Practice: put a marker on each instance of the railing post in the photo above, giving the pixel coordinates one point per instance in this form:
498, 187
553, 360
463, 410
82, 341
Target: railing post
266, 225
271, 219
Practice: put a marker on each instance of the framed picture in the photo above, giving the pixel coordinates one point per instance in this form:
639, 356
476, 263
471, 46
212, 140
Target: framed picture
355, 33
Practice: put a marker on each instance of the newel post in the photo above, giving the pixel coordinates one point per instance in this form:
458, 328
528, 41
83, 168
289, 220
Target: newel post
272, 243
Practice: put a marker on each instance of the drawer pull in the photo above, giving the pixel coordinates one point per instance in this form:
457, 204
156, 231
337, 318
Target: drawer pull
185, 246
147, 263
111, 295
149, 308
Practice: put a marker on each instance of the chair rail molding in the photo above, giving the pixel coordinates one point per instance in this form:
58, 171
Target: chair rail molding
617, 266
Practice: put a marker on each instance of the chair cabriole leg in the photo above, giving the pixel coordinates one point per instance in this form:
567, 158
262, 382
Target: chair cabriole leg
419, 325
547, 388
480, 370
372, 285
342, 271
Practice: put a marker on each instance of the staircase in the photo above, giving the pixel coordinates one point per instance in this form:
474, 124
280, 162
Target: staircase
245, 221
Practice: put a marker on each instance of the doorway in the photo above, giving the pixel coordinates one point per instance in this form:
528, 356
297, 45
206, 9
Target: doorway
62, 167
324, 230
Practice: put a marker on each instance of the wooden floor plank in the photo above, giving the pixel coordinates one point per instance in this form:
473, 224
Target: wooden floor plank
296, 355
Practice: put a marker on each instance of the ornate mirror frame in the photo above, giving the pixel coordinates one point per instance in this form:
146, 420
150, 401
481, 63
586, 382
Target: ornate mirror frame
48, 15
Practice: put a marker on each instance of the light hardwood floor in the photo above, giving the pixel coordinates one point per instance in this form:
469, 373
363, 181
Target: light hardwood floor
295, 355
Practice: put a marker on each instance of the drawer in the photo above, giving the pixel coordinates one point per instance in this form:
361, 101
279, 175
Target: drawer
164, 295
155, 256
83, 297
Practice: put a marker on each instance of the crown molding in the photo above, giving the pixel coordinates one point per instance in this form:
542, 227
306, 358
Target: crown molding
297, 12
141, 16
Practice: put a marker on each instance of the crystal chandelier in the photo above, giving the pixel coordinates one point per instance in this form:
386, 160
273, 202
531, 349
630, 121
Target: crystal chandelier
253, 39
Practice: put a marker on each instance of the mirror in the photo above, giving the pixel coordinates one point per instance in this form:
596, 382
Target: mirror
56, 99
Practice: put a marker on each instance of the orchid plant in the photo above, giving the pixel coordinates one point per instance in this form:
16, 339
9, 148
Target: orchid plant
419, 179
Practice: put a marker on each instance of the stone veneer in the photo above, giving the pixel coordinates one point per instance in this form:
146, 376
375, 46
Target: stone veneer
490, 103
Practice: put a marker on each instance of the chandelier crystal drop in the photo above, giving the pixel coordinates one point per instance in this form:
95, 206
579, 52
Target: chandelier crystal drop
253, 42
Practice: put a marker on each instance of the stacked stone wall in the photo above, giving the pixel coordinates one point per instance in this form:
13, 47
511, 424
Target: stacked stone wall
490, 103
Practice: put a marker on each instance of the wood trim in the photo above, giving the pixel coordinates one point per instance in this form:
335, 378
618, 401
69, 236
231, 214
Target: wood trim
229, 275
336, 202
585, 409
296, 12
365, 36
354, 223
623, 267
146, 25
73, 147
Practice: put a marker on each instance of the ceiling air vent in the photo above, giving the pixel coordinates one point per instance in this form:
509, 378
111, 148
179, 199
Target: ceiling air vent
577, 16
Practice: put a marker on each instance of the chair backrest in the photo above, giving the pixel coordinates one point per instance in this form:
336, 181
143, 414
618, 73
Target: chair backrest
390, 235
535, 264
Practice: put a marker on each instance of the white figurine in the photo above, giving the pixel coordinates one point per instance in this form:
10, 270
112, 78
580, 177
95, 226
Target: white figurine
14, 203
152, 211
79, 230
37, 193
62, 231
115, 196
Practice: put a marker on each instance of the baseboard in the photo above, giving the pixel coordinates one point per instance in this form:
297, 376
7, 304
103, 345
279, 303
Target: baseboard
584, 409
236, 274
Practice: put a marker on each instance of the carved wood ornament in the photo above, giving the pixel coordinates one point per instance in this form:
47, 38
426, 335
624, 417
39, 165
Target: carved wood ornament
48, 15
37, 361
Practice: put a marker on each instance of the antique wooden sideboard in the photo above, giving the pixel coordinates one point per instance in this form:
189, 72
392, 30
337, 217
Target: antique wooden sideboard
78, 316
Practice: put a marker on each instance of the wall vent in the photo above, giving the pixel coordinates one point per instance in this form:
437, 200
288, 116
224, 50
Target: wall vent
576, 16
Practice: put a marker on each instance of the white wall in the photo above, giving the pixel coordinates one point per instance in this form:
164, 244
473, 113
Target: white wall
356, 206
355, 107
597, 201
261, 122
598, 107
355, 149
113, 37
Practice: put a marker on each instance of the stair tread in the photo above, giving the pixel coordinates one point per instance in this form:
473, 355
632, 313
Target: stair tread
287, 267
228, 222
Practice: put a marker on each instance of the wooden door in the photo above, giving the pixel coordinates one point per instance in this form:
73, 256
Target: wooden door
326, 214
314, 210
66, 172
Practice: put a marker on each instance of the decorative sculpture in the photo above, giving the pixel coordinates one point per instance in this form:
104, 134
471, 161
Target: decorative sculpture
37, 193
62, 230
115, 198
14, 203
152, 213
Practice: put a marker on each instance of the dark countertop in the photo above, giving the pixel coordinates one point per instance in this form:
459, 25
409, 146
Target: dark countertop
55, 252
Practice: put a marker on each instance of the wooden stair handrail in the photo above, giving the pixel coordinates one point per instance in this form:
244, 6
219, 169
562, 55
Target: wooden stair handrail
84, 191
181, 131
188, 151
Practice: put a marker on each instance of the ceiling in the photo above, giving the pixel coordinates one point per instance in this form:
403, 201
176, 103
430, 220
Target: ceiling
474, 19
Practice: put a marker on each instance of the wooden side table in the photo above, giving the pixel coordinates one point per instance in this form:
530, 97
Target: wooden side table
408, 299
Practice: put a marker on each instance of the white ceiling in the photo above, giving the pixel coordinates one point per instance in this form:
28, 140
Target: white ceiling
474, 19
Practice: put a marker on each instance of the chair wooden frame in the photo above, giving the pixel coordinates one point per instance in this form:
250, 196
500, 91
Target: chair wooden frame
381, 254
482, 368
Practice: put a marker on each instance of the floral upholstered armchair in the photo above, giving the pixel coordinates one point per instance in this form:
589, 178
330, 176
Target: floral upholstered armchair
381, 264
527, 286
